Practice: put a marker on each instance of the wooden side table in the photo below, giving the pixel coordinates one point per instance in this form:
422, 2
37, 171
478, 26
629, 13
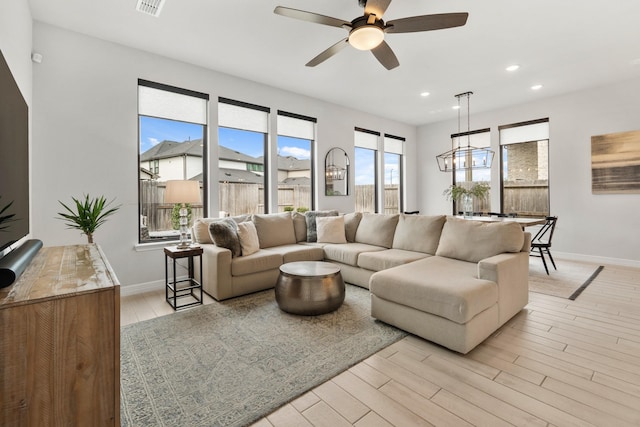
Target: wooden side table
185, 289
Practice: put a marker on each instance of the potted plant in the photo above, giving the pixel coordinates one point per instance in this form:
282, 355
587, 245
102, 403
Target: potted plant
459, 193
90, 214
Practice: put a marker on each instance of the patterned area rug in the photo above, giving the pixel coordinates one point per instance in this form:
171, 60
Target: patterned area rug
568, 281
230, 363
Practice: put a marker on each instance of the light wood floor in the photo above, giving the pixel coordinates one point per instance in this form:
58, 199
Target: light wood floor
557, 363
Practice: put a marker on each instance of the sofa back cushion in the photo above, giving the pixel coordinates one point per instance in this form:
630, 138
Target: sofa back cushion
418, 233
201, 227
274, 229
473, 241
310, 216
351, 222
377, 229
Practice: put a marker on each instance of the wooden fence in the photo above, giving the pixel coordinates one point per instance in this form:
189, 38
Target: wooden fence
527, 199
238, 199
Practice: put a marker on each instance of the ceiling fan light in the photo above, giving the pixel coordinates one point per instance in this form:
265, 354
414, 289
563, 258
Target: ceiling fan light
366, 37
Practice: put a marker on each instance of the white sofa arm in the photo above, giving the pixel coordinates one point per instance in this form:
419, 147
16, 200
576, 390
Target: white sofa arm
216, 271
510, 271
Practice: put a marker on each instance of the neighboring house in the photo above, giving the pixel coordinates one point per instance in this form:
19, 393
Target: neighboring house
173, 160
183, 160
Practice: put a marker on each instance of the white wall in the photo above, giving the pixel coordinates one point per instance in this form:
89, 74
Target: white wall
603, 228
15, 44
85, 108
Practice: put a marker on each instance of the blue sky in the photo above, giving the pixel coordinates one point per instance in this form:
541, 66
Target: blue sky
154, 131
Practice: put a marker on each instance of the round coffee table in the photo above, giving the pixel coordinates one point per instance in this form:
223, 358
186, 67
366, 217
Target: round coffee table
309, 287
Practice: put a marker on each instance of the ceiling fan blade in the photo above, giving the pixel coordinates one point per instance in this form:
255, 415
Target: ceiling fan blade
385, 55
376, 7
427, 22
311, 17
328, 53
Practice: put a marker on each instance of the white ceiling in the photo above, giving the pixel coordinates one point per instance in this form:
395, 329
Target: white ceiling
565, 45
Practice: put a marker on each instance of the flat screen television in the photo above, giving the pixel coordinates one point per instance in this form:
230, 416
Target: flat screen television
14, 160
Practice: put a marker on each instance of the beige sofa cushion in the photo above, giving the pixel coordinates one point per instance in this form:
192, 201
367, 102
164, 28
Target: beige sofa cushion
274, 229
297, 252
331, 229
201, 227
418, 233
347, 253
473, 241
299, 226
377, 229
263, 260
351, 222
382, 260
442, 286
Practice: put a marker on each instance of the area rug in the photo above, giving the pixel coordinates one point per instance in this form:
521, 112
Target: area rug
568, 281
231, 363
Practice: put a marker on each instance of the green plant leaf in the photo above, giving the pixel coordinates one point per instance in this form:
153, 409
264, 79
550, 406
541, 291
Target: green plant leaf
89, 213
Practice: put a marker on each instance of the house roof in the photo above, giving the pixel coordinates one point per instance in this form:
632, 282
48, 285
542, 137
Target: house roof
167, 149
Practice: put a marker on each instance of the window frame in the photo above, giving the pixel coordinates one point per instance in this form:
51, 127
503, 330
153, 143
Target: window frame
312, 149
265, 146
155, 169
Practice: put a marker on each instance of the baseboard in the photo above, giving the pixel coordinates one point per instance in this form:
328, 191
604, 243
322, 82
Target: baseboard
596, 259
141, 288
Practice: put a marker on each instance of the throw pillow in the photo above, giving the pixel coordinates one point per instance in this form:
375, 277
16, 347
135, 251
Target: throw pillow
331, 229
377, 229
248, 237
274, 229
310, 216
224, 234
299, 226
351, 221
201, 227
474, 241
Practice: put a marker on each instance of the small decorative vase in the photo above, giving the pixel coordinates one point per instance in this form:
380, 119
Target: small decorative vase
467, 205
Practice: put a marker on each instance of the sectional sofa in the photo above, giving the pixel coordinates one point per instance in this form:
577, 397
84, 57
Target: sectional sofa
448, 280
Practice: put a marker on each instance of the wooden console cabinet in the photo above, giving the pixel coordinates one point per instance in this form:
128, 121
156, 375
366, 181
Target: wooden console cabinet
60, 341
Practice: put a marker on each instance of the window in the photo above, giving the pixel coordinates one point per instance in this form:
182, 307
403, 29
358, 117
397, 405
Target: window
524, 158
393, 176
366, 170
242, 165
467, 176
296, 134
172, 127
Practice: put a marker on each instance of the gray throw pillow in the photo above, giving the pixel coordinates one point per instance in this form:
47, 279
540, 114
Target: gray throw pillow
224, 234
310, 216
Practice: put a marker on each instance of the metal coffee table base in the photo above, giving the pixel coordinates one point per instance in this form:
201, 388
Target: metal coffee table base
309, 288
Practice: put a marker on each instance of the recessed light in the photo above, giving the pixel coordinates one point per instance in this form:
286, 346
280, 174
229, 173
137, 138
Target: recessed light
513, 67
536, 87
425, 94
456, 107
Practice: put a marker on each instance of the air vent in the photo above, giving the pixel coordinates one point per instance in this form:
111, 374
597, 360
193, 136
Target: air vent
150, 7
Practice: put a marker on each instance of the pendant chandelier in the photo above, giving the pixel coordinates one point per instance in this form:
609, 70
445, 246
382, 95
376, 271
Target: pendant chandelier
462, 158
332, 171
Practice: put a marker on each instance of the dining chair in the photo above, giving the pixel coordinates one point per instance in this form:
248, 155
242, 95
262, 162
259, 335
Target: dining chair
542, 241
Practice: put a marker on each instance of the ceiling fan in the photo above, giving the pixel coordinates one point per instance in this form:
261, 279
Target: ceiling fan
367, 32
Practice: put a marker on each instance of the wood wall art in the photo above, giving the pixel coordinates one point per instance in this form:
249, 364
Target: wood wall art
615, 163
